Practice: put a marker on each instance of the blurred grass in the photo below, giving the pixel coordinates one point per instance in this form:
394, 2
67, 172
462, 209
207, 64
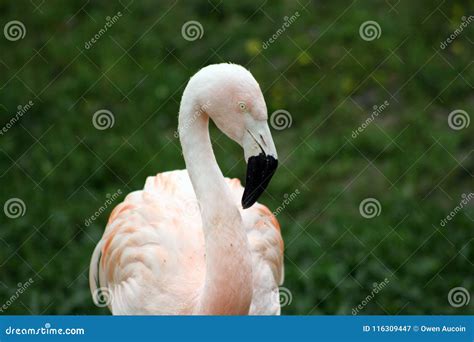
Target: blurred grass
320, 70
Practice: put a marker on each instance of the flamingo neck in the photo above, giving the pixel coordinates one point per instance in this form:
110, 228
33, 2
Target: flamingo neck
227, 287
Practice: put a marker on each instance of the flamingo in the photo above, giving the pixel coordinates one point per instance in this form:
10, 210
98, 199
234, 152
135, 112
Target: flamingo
193, 242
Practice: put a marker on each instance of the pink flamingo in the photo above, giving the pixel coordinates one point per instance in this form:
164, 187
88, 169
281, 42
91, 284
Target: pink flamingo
192, 241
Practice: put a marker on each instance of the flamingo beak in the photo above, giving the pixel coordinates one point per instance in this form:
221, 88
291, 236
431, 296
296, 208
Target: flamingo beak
262, 162
260, 170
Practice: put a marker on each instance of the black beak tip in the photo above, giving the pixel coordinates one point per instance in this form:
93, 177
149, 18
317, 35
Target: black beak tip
260, 170
246, 205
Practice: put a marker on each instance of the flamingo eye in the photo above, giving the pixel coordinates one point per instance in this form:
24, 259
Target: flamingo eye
242, 106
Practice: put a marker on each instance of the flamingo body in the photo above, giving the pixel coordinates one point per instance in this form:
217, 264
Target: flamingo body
151, 258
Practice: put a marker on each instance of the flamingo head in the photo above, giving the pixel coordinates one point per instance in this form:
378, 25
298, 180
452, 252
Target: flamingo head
233, 100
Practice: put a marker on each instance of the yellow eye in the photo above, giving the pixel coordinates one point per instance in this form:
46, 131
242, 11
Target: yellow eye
242, 106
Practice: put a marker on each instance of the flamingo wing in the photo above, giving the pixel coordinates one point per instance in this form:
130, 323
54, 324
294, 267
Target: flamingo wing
150, 259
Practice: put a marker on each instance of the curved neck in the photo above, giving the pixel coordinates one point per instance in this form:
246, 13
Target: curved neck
228, 286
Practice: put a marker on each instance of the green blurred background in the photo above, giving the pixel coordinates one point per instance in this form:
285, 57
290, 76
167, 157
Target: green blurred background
319, 69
